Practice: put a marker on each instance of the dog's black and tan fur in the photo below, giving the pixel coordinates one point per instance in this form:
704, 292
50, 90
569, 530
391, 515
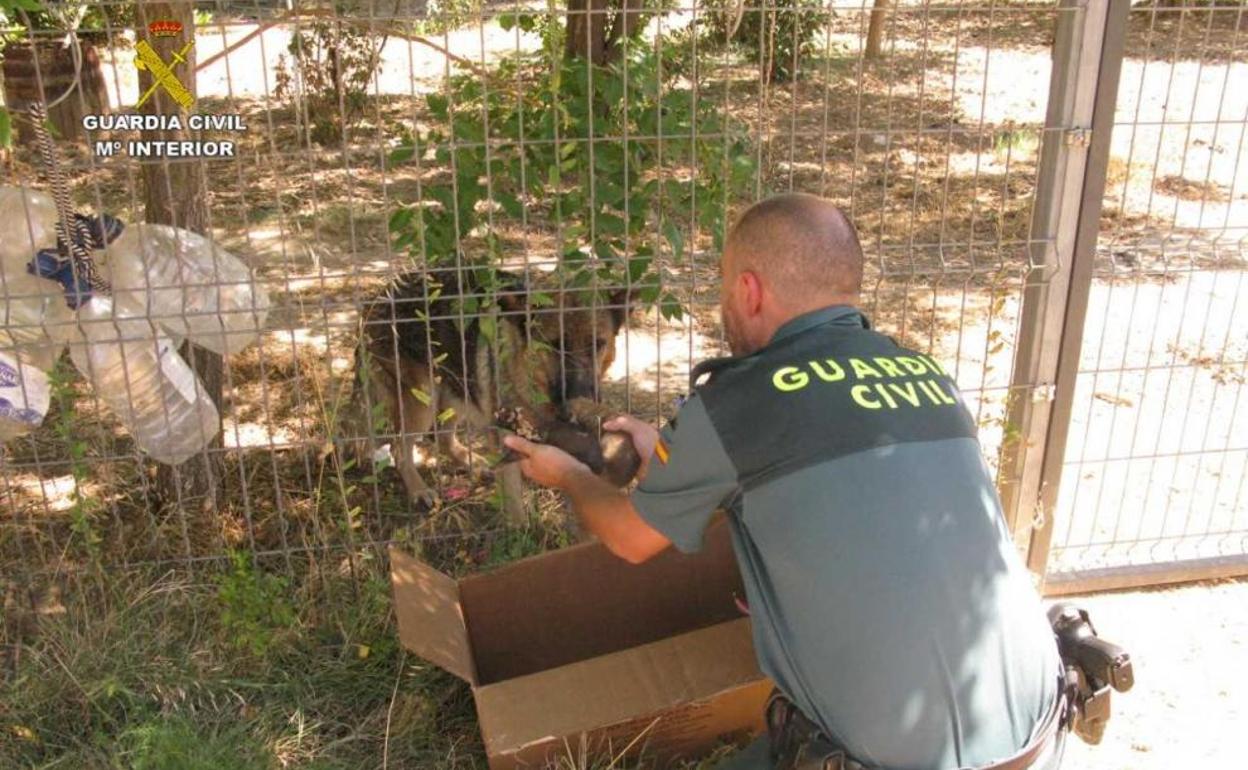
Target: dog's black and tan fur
421, 354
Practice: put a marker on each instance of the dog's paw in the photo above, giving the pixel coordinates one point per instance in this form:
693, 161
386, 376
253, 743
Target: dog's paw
425, 499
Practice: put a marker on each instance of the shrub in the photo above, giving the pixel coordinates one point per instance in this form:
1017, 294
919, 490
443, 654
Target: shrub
776, 38
600, 153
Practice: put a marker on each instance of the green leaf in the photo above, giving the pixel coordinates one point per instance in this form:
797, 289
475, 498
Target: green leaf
439, 105
610, 224
447, 414
637, 267
507, 21
422, 396
671, 307
488, 328
6, 129
401, 219
672, 233
511, 204
603, 251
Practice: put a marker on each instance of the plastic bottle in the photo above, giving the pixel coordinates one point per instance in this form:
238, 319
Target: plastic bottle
34, 320
136, 369
24, 396
27, 224
187, 284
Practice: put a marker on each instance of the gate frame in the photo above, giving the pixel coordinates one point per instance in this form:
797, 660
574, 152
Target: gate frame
1088, 49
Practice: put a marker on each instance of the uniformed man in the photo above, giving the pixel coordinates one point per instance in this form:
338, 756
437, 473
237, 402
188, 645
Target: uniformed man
889, 605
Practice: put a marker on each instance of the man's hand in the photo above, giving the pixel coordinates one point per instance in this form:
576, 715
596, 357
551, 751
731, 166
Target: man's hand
545, 464
645, 436
604, 510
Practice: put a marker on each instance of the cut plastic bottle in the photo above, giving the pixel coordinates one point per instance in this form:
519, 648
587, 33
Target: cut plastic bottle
24, 396
35, 323
135, 368
186, 283
27, 224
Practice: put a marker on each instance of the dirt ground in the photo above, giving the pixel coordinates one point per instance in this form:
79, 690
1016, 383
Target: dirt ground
1189, 705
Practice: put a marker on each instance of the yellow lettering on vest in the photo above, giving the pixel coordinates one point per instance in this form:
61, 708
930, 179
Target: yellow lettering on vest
879, 387
941, 392
837, 371
907, 392
926, 387
790, 378
889, 366
913, 365
932, 363
863, 369
859, 394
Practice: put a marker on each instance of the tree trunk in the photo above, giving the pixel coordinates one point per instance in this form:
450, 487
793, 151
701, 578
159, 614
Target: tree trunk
586, 36
175, 195
875, 31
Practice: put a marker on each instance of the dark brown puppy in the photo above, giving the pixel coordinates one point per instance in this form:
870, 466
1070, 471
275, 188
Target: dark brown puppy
610, 455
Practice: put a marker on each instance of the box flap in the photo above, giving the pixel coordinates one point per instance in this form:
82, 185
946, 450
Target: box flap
431, 620
616, 688
582, 602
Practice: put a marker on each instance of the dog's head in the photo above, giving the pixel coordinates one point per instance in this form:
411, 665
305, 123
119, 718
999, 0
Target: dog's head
573, 343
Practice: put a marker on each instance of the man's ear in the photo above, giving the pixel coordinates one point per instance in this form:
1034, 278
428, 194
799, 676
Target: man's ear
752, 293
620, 303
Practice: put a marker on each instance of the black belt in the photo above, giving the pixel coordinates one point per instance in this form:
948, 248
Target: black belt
797, 743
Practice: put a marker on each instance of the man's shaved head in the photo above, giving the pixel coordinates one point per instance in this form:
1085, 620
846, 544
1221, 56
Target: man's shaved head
803, 245
785, 256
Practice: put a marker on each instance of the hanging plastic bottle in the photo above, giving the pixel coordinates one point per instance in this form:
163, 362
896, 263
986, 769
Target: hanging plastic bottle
135, 368
186, 283
24, 396
27, 224
35, 323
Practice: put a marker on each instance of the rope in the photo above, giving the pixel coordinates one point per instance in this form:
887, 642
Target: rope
72, 231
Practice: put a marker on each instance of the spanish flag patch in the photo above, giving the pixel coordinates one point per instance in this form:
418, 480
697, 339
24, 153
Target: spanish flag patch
660, 451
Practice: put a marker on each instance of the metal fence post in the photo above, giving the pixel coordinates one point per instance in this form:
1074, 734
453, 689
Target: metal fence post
1087, 57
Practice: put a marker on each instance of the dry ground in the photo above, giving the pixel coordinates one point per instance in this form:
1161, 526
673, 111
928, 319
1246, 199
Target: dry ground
1190, 701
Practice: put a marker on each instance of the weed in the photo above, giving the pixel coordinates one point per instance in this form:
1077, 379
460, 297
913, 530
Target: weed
255, 610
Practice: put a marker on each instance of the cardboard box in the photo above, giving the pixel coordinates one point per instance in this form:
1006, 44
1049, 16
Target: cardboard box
578, 649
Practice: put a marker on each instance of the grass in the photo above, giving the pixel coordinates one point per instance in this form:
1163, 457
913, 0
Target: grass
148, 670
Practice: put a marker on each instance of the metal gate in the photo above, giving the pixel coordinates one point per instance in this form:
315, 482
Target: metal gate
1132, 459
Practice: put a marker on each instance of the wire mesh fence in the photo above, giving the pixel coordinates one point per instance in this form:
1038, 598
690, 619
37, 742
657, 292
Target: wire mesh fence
378, 141
1155, 470
566, 174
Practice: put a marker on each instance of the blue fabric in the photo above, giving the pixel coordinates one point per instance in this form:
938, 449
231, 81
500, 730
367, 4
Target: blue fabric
48, 264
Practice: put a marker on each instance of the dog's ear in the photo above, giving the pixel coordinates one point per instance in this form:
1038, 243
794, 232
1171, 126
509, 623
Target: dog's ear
620, 302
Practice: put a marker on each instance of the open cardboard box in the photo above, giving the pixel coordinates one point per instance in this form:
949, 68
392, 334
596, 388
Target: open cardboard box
577, 648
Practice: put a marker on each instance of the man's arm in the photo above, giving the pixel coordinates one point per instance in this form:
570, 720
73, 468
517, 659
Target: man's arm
603, 510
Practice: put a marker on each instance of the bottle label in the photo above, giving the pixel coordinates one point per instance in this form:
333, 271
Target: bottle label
24, 392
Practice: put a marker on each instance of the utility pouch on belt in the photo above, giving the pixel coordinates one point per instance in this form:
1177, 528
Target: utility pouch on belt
1093, 668
797, 743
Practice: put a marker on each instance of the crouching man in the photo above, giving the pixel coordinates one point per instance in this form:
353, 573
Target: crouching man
888, 603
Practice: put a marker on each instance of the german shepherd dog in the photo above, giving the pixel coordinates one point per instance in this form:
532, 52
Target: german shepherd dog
433, 366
